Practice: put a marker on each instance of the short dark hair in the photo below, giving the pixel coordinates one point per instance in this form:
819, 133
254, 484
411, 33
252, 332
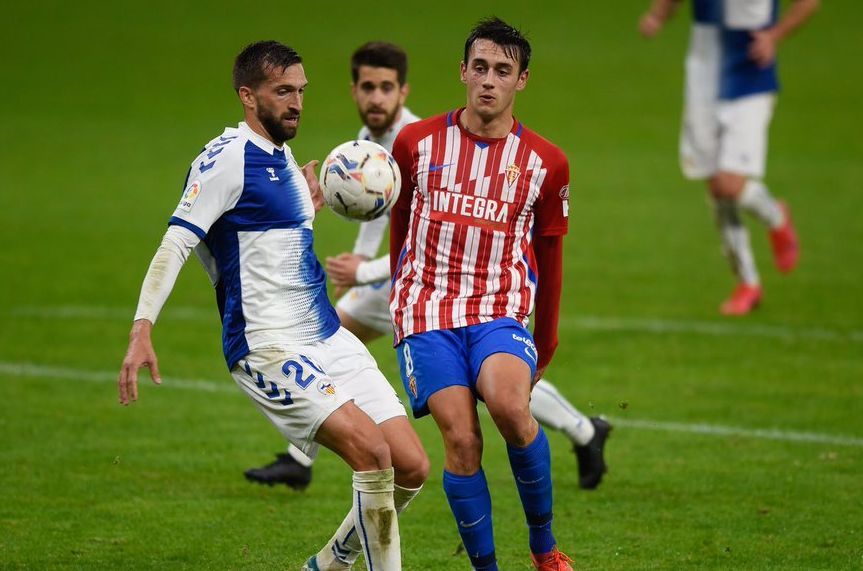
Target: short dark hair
380, 54
256, 60
513, 42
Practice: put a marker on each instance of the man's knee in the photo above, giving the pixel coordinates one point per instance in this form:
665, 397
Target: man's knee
409, 459
351, 434
413, 472
726, 185
463, 450
514, 421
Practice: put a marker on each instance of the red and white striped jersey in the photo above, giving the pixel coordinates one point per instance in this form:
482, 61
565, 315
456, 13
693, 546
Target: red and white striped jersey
464, 223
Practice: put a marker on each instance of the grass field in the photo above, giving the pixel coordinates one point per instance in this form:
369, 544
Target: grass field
738, 443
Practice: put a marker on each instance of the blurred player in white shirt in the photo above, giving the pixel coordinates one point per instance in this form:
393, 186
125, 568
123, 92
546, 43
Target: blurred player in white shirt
247, 211
731, 86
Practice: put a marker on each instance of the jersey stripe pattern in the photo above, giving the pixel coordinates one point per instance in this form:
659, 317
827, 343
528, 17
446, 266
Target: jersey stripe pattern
249, 203
718, 60
475, 204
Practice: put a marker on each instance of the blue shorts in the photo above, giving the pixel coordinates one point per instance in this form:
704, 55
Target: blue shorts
435, 360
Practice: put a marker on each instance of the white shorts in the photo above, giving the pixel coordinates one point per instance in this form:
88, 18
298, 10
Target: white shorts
726, 136
370, 305
297, 388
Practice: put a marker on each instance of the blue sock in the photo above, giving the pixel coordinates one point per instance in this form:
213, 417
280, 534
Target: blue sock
470, 503
531, 467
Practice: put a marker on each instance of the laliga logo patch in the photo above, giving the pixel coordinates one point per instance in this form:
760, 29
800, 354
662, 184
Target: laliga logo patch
326, 388
412, 384
564, 196
190, 195
512, 174
564, 192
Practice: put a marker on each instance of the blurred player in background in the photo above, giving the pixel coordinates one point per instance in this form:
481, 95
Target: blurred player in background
380, 88
731, 85
476, 237
247, 211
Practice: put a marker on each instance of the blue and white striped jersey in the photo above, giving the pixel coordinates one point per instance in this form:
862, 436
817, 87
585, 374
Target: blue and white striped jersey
718, 58
250, 204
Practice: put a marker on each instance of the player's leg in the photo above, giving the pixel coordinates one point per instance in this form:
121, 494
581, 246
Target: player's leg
746, 123
293, 389
292, 468
553, 410
588, 435
434, 370
351, 434
464, 482
364, 312
701, 137
374, 395
503, 356
738, 251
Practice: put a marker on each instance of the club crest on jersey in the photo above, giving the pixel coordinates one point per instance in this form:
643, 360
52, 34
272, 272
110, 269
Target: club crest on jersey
190, 195
512, 174
326, 388
272, 173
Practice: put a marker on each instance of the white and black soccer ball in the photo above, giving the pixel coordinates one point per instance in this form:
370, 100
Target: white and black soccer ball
360, 180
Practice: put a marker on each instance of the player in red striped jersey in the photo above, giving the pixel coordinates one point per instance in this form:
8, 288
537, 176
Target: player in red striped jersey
476, 239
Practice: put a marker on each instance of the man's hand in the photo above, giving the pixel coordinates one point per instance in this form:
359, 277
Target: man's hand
139, 354
762, 50
650, 24
343, 269
314, 185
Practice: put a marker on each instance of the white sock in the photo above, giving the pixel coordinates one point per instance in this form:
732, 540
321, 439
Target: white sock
735, 242
344, 548
550, 408
758, 201
298, 455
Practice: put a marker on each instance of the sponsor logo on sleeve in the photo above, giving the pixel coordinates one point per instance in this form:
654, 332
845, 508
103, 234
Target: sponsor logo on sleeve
190, 195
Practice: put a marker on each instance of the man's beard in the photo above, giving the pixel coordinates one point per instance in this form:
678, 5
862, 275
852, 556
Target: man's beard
278, 132
389, 119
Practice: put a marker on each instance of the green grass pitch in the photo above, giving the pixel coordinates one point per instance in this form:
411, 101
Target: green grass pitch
738, 443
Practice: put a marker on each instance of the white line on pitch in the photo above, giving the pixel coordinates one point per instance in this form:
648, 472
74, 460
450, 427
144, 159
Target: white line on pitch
39, 371
719, 430
20, 370
655, 325
583, 322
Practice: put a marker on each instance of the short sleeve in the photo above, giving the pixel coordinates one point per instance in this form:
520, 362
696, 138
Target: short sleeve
213, 187
552, 206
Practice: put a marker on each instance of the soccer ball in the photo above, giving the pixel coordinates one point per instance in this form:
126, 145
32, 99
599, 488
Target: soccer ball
360, 180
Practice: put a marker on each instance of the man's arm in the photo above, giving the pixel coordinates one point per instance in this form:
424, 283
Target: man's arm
172, 253
401, 213
656, 16
764, 42
548, 251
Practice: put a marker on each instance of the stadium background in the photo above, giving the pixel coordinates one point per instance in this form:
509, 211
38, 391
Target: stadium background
738, 443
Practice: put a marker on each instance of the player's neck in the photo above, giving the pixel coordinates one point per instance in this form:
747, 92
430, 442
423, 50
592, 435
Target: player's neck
494, 128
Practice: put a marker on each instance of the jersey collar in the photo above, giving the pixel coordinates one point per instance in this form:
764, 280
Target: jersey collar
263, 143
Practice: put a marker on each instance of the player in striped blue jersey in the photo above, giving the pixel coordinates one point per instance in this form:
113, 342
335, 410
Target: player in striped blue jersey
731, 85
247, 211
